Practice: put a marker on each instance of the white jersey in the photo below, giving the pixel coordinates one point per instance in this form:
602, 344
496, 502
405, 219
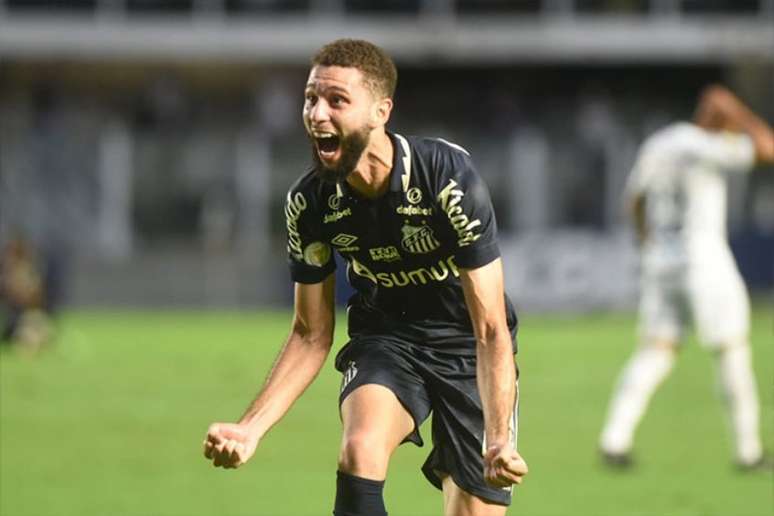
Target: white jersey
681, 172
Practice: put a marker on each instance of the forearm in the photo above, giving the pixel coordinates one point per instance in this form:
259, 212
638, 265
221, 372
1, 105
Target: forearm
496, 376
296, 367
738, 117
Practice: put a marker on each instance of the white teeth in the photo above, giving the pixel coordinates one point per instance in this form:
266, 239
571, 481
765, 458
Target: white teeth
323, 135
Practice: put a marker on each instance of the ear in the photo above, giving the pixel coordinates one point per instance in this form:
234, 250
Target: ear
381, 110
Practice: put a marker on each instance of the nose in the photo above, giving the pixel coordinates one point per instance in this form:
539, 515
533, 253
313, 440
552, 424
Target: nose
319, 111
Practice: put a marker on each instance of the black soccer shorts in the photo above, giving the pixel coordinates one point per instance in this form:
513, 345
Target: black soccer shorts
426, 381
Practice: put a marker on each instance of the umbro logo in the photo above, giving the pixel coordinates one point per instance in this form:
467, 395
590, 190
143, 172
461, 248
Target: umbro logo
344, 241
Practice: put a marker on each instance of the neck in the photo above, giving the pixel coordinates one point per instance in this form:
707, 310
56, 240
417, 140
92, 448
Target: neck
371, 177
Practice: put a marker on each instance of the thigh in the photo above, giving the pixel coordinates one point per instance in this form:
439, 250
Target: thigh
662, 306
458, 502
720, 302
458, 430
375, 361
375, 423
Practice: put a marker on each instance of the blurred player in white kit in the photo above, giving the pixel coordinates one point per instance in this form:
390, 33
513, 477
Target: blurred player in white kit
677, 197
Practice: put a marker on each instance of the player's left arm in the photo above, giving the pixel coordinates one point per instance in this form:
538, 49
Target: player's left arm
496, 371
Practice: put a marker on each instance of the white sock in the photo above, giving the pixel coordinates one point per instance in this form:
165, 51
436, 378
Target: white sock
646, 369
738, 383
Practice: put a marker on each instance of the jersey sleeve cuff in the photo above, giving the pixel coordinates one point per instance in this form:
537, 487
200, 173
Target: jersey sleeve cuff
476, 257
310, 276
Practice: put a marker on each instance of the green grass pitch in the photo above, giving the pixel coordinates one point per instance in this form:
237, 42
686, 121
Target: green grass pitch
111, 420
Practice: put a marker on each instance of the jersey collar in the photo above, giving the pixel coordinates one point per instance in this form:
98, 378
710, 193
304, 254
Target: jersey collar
401, 164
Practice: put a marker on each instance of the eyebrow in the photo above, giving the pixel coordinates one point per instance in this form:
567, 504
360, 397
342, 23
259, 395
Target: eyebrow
333, 89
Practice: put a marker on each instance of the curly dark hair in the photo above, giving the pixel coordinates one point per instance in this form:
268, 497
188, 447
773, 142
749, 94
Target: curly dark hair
377, 67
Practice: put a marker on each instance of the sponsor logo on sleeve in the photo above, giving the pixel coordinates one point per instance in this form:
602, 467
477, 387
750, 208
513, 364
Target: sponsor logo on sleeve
294, 207
317, 254
450, 199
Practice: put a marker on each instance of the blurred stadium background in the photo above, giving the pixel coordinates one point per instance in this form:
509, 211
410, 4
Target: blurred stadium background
145, 150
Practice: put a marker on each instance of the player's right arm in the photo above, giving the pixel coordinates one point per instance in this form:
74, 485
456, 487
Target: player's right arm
230, 445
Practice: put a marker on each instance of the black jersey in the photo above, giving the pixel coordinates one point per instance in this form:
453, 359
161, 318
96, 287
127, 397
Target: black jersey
403, 250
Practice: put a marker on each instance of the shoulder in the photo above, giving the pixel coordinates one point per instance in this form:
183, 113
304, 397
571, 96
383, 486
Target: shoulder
309, 189
438, 149
671, 144
308, 196
437, 159
670, 136
308, 184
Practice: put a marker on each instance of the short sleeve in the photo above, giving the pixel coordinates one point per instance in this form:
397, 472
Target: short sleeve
309, 256
465, 204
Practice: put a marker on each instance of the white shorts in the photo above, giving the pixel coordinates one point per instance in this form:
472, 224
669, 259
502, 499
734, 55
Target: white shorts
708, 290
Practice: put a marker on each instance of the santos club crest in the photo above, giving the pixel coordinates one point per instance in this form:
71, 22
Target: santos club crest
418, 239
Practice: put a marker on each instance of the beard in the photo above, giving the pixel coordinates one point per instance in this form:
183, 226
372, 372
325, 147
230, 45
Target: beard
352, 147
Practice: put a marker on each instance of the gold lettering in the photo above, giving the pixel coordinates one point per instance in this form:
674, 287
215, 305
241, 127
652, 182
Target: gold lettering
423, 274
437, 275
384, 279
398, 282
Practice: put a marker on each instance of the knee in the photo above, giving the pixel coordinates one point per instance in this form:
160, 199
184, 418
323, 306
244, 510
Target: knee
363, 454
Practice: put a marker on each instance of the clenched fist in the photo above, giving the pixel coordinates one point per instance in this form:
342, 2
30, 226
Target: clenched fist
229, 445
503, 466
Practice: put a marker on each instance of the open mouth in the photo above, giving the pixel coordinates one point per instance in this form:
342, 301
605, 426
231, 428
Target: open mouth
327, 145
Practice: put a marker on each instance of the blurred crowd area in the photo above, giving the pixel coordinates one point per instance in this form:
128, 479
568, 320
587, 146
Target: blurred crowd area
137, 179
462, 7
144, 184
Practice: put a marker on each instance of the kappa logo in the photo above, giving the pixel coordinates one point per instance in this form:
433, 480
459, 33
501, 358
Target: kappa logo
385, 254
349, 374
418, 239
344, 241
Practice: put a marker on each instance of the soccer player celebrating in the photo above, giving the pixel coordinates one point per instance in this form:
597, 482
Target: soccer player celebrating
430, 327
677, 195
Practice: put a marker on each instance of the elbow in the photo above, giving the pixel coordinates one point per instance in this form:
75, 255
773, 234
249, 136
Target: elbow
493, 335
321, 337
